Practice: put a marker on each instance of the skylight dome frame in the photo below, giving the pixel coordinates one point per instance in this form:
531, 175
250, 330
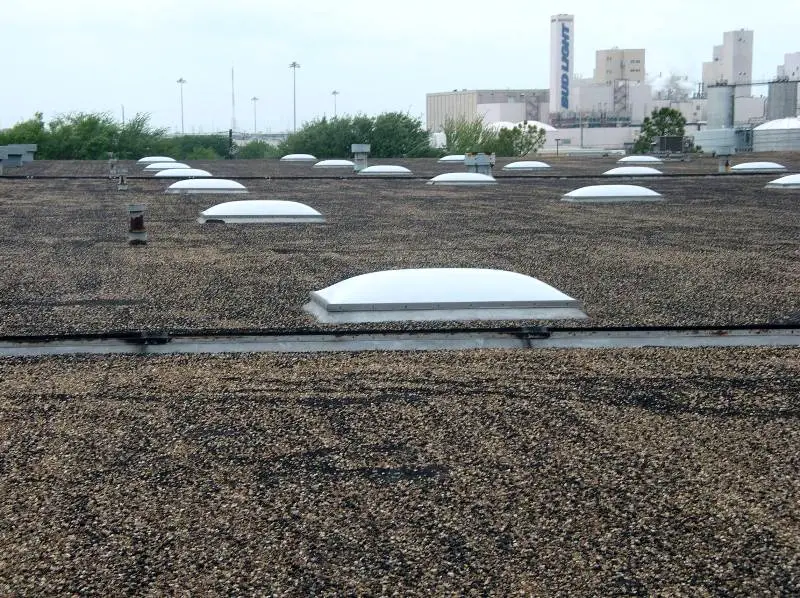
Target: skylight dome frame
463, 179
633, 171
526, 166
788, 182
258, 211
441, 294
298, 158
759, 168
206, 186
335, 164
182, 173
612, 194
156, 166
385, 170
153, 159
639, 159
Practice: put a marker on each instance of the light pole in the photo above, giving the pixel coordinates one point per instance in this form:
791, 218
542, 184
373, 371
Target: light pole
294, 66
334, 93
254, 99
180, 82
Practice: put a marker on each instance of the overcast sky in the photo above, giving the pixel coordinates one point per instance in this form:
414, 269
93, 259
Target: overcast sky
87, 55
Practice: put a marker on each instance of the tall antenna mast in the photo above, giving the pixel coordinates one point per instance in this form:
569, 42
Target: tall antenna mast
233, 104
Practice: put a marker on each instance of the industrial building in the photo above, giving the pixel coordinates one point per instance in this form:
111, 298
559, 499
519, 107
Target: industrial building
619, 65
493, 105
732, 62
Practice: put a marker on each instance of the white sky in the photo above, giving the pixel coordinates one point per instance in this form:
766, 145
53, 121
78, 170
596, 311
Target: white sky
87, 55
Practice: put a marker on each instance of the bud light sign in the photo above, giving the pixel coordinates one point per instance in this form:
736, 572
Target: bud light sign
565, 66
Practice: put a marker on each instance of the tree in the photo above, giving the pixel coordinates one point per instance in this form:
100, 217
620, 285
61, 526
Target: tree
666, 122
28, 131
398, 135
519, 141
468, 135
257, 150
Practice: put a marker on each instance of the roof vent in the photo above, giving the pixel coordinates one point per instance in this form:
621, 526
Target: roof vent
441, 294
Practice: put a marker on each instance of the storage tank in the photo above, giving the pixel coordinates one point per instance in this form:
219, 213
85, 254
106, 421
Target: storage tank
720, 107
781, 135
782, 100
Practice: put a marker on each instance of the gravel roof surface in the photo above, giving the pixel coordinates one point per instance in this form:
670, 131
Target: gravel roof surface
719, 250
553, 473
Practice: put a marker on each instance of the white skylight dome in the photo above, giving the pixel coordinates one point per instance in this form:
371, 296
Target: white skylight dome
539, 125
385, 170
260, 210
452, 158
427, 294
611, 193
334, 164
182, 173
156, 166
640, 160
632, 171
463, 178
790, 181
298, 158
780, 124
206, 186
524, 165
758, 167
153, 159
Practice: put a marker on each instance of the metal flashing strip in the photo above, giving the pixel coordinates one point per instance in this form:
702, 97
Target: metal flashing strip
436, 340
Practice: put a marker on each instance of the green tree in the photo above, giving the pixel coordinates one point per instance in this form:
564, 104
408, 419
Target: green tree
663, 122
256, 150
28, 131
519, 141
468, 135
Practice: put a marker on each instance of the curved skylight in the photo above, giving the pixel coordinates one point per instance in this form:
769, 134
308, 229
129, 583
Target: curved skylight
780, 124
260, 210
334, 164
181, 173
451, 159
632, 171
298, 158
153, 159
758, 167
206, 186
526, 165
441, 294
384, 170
463, 178
611, 193
640, 160
790, 181
156, 166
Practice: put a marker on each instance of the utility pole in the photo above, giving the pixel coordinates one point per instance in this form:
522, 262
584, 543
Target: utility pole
180, 82
294, 66
334, 93
254, 99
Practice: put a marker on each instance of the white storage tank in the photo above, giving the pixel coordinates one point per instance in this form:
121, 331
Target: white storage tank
781, 135
720, 107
